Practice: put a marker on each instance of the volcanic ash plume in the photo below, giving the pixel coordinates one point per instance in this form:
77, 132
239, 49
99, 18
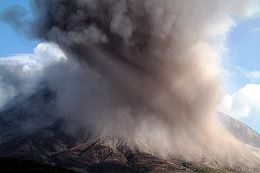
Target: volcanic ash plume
151, 66
154, 55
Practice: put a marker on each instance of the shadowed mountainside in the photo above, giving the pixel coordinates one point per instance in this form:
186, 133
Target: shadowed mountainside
25, 166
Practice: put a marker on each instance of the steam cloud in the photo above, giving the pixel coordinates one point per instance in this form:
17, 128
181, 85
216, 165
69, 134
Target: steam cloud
150, 68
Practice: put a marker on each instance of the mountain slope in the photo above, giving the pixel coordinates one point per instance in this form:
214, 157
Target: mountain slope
30, 128
238, 129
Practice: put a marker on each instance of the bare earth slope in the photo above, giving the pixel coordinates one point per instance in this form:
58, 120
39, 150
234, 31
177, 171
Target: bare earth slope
241, 131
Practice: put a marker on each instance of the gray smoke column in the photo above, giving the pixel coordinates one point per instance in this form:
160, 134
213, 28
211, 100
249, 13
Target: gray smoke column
152, 67
152, 53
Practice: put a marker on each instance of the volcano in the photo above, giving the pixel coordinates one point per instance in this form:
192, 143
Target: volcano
129, 86
86, 152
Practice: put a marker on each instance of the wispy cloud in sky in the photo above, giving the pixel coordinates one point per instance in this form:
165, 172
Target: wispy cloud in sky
256, 29
253, 76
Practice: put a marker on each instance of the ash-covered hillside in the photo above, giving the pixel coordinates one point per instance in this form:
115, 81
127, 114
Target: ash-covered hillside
83, 151
240, 130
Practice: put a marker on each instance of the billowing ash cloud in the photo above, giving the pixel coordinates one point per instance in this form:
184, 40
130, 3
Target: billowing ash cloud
158, 58
154, 56
150, 68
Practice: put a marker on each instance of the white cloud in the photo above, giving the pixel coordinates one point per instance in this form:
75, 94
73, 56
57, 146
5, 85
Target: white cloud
253, 76
257, 29
19, 73
243, 102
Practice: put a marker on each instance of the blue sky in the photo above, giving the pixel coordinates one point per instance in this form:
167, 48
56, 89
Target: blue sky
13, 42
244, 44
242, 62
244, 50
